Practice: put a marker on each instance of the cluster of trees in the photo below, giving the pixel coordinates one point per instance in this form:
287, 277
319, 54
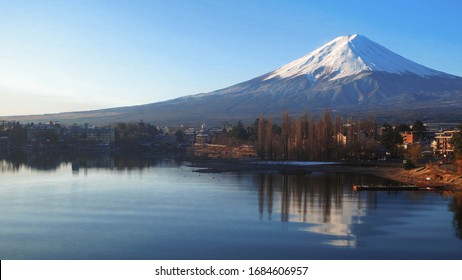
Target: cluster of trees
305, 137
133, 136
16, 132
457, 141
237, 135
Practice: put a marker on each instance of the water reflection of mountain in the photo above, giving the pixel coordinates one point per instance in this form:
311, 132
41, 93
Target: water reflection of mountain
328, 206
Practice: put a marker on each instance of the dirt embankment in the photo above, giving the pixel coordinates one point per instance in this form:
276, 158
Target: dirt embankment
430, 175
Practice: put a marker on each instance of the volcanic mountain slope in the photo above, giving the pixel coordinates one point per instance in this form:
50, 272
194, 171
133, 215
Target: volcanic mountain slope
351, 75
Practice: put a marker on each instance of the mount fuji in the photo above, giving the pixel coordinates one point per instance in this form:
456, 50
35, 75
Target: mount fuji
351, 75
347, 56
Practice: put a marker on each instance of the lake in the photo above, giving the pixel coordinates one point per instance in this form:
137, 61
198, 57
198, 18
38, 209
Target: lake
122, 209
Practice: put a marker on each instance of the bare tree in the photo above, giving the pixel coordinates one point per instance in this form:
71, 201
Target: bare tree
269, 150
285, 133
261, 136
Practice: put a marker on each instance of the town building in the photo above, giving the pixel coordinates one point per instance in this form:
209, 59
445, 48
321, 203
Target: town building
439, 127
87, 133
189, 135
443, 142
202, 138
408, 137
43, 132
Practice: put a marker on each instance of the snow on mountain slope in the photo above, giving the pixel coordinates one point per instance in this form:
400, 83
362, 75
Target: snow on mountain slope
349, 55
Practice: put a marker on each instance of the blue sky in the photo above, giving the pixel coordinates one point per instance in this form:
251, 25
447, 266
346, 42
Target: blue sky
69, 55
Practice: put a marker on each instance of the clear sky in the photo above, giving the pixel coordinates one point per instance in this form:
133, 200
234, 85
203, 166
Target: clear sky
70, 55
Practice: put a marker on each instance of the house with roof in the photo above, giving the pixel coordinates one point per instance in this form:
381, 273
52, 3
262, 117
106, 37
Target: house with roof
442, 145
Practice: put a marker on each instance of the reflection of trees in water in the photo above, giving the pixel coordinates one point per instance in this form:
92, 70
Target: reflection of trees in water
301, 195
52, 161
12, 162
43, 161
139, 162
328, 205
307, 195
456, 207
325, 203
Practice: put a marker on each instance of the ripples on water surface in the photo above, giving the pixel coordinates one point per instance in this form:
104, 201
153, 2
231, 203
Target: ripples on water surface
103, 210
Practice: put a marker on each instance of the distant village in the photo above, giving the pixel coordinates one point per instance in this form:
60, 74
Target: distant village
140, 136
300, 138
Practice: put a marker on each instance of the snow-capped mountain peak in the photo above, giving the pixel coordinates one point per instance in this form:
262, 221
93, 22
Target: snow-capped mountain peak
350, 55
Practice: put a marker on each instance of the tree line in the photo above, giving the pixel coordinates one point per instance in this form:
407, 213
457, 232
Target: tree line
305, 137
301, 137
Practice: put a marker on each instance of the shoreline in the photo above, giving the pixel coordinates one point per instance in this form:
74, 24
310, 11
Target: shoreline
424, 176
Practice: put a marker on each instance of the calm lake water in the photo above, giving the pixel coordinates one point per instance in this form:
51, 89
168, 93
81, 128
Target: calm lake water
163, 210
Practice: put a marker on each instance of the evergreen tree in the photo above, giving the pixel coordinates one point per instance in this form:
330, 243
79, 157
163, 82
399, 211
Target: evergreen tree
457, 142
391, 138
